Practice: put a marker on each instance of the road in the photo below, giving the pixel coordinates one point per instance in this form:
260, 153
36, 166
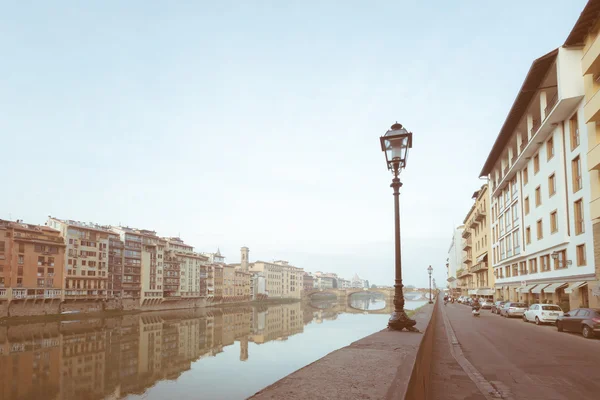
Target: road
525, 361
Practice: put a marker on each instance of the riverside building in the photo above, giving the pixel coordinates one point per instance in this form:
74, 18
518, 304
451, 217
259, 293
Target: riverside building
542, 243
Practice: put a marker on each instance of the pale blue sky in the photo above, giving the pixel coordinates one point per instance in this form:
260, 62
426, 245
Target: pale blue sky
257, 123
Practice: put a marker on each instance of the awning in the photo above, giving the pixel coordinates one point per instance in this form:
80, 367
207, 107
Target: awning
526, 288
552, 288
538, 288
481, 257
472, 291
574, 286
486, 292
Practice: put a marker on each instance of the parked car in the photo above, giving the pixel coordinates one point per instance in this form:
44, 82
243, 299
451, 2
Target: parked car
584, 320
542, 313
497, 306
486, 305
513, 309
461, 299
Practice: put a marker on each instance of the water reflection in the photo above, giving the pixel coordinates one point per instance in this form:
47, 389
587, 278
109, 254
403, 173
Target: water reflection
368, 301
119, 357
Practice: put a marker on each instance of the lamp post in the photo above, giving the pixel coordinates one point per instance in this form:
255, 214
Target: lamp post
395, 144
430, 270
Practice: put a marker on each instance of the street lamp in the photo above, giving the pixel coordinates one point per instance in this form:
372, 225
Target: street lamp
395, 144
430, 270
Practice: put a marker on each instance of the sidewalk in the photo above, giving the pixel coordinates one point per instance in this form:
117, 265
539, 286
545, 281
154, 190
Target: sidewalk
448, 379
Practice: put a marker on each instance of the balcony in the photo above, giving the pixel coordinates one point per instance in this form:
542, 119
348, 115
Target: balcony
482, 266
472, 223
466, 233
480, 216
555, 99
467, 258
467, 244
461, 273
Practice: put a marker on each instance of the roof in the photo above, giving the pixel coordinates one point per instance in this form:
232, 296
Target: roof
537, 72
586, 20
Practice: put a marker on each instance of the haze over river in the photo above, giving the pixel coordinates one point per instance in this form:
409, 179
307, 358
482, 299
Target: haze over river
215, 353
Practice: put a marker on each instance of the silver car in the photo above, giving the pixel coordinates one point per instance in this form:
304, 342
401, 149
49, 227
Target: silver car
513, 309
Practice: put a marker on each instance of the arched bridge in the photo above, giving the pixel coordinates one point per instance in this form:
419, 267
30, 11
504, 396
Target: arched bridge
387, 292
413, 294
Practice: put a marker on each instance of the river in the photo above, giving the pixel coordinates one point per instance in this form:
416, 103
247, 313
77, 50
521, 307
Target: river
215, 353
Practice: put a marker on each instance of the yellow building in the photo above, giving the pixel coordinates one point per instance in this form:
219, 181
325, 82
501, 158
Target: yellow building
476, 278
283, 280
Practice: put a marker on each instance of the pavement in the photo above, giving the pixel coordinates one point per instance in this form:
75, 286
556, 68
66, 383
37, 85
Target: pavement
519, 360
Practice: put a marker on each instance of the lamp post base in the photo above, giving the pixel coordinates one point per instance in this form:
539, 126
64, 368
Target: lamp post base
399, 321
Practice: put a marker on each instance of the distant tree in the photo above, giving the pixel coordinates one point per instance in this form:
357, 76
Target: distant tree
373, 286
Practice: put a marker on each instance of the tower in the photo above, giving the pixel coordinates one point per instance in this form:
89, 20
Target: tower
244, 261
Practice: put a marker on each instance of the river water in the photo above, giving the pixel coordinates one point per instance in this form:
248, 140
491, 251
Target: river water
216, 353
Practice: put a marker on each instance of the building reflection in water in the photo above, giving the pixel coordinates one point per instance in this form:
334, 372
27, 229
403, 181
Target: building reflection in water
111, 357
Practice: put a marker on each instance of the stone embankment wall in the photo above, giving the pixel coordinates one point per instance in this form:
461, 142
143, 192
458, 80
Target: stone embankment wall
31, 308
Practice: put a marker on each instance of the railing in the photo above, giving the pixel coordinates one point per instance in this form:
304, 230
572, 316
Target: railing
551, 104
480, 267
536, 125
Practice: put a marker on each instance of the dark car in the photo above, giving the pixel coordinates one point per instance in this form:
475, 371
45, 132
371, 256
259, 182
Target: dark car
497, 306
584, 320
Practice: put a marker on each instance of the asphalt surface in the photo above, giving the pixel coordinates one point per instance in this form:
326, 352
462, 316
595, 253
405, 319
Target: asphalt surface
521, 360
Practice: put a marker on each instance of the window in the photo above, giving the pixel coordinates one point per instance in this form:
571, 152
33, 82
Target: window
576, 171
581, 255
508, 247
515, 270
515, 214
516, 242
550, 148
525, 176
527, 205
578, 206
574, 128
533, 265
507, 269
528, 235
513, 188
21, 259
2, 245
551, 185
536, 163
538, 196
545, 261
523, 267
501, 226
553, 222
507, 220
21, 247
540, 229
561, 261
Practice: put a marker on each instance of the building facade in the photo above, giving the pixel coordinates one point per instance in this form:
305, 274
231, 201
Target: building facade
476, 277
542, 246
283, 279
32, 261
308, 281
86, 261
585, 36
454, 261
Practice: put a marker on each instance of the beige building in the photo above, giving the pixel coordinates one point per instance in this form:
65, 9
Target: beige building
585, 35
283, 280
476, 278
228, 282
190, 268
86, 262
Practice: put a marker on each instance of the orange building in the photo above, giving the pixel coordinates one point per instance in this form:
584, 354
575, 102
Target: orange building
31, 260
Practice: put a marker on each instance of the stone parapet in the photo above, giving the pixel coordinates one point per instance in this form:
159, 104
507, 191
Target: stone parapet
384, 365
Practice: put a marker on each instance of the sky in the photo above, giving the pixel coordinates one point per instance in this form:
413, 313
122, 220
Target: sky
257, 123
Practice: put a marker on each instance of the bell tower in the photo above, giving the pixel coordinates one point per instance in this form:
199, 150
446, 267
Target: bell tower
244, 260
